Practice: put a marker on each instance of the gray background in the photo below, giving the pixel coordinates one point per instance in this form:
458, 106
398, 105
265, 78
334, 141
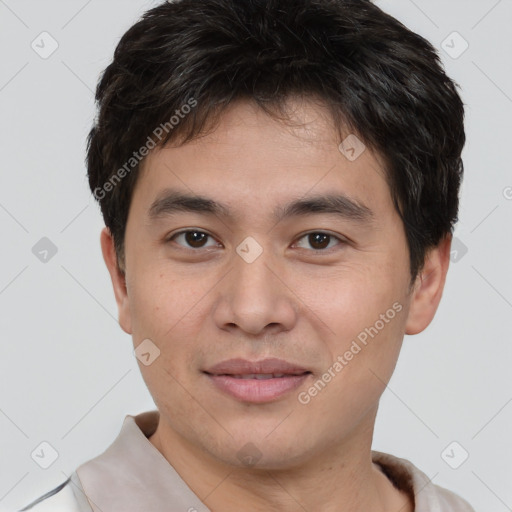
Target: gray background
67, 370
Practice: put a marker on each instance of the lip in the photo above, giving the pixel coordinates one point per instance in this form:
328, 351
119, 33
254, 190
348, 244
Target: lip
240, 366
226, 377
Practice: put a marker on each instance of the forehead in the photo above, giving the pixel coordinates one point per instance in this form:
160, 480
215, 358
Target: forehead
252, 160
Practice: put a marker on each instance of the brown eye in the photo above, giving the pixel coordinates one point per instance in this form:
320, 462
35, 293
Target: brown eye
195, 238
192, 238
319, 240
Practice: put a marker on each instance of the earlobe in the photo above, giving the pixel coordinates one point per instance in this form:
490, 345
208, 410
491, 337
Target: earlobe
118, 279
428, 287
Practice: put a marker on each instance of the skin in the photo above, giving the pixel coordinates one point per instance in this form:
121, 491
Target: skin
206, 304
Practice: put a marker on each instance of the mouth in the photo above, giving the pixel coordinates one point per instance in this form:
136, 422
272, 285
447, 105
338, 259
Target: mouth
256, 382
261, 376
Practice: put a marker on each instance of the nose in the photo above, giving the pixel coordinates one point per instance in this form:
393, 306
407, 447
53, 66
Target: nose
255, 298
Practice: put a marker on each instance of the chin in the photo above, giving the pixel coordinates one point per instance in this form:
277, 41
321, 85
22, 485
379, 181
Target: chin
255, 452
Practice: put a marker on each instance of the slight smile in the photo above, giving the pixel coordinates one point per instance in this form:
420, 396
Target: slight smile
258, 381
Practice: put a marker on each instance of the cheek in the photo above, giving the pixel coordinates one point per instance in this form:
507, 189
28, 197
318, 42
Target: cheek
161, 304
170, 312
363, 359
349, 299
365, 314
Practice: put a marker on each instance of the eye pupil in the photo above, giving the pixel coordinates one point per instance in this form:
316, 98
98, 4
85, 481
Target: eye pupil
316, 239
195, 238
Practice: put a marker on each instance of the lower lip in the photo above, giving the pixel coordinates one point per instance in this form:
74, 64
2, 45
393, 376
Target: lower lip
258, 390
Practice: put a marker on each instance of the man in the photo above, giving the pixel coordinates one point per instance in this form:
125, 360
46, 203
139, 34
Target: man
279, 182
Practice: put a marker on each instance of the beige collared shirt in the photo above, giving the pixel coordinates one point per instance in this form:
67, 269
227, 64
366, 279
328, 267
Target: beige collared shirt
131, 475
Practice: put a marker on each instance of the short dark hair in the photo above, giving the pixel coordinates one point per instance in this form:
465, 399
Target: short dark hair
378, 79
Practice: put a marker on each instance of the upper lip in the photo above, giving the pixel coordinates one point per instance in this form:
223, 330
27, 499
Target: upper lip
240, 366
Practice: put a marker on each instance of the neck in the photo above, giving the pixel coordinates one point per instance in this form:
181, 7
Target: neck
341, 479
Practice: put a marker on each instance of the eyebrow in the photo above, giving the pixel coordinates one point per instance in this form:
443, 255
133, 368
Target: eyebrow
172, 201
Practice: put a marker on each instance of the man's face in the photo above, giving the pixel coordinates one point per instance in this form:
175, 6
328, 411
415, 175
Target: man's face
245, 283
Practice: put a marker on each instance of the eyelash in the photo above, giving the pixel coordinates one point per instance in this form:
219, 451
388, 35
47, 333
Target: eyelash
326, 250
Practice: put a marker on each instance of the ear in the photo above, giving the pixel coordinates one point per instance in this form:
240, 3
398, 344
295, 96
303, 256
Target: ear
428, 287
118, 279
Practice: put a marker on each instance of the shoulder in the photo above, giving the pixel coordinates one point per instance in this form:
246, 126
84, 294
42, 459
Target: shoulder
450, 501
60, 499
427, 495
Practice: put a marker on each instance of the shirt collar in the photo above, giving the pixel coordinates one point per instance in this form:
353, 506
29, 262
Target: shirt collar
132, 475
